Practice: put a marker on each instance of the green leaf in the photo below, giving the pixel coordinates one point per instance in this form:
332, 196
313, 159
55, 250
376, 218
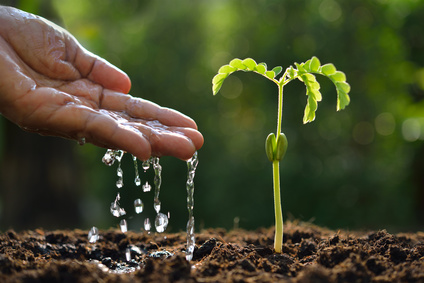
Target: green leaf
300, 68
219, 78
277, 70
315, 64
338, 76
343, 86
216, 87
270, 74
238, 64
260, 69
227, 69
311, 107
250, 64
217, 82
343, 100
328, 69
263, 64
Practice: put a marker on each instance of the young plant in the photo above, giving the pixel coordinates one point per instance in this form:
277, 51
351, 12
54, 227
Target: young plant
276, 144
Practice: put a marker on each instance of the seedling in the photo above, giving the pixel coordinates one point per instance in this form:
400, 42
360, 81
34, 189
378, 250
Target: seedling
276, 144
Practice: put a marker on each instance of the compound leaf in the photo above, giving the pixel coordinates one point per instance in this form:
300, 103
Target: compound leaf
227, 69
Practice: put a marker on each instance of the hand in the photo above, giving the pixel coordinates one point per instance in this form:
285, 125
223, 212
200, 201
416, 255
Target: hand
51, 85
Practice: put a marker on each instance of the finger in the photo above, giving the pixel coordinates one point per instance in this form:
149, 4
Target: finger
141, 108
100, 71
166, 141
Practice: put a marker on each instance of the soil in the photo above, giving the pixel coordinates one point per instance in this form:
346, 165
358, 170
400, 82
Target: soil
310, 254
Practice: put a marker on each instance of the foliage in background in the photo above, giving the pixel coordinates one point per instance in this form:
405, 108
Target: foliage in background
360, 168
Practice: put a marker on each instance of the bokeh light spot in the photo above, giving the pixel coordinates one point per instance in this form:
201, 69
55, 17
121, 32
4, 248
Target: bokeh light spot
385, 124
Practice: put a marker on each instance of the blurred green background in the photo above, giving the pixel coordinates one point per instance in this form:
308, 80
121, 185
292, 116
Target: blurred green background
361, 168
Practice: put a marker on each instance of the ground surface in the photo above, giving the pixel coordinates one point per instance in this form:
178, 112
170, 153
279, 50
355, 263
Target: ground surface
311, 254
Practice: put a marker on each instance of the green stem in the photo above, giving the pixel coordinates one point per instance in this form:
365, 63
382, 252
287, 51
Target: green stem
278, 240
280, 110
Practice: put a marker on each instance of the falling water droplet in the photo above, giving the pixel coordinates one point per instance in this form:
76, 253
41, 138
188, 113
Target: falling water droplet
161, 222
157, 205
128, 254
137, 180
145, 165
191, 169
109, 157
147, 187
93, 235
123, 224
147, 225
115, 209
139, 206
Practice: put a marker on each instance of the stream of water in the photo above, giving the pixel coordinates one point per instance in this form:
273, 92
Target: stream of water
161, 220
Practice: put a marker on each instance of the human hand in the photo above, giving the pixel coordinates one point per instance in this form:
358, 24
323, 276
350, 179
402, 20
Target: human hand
51, 85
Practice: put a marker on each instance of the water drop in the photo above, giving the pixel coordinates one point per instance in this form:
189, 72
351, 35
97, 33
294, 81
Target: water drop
137, 181
109, 157
139, 206
157, 205
119, 183
161, 222
93, 235
115, 209
128, 254
147, 225
123, 224
119, 171
145, 165
147, 187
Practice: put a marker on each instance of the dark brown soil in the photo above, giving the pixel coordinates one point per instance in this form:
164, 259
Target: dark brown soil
311, 254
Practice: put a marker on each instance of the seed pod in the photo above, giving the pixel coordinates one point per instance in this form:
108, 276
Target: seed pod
281, 147
270, 147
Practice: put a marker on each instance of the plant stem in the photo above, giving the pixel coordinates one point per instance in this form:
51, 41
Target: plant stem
280, 110
278, 240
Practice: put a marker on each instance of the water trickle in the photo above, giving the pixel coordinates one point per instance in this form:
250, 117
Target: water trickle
123, 224
93, 235
161, 222
191, 170
138, 206
137, 180
157, 181
147, 187
147, 225
115, 208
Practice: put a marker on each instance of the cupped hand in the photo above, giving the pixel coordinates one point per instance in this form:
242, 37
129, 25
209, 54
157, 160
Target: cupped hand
51, 85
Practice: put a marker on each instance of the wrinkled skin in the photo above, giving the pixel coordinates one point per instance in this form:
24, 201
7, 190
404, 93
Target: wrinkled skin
51, 85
